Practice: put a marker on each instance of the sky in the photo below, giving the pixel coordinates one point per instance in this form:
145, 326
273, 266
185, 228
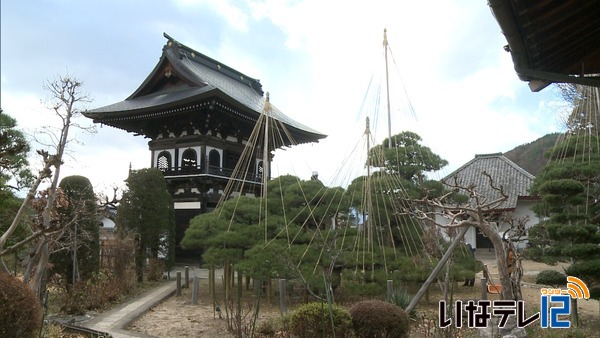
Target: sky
322, 62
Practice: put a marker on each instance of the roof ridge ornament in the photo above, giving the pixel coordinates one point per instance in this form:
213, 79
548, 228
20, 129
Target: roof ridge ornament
171, 39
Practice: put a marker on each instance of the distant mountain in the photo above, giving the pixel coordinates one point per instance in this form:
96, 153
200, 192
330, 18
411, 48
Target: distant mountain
530, 156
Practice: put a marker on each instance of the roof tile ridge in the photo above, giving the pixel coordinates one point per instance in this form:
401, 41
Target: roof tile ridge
516, 166
209, 62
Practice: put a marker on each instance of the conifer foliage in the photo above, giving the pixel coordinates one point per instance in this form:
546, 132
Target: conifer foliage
77, 255
146, 211
570, 188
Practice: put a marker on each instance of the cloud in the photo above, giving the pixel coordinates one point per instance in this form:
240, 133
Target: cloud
234, 15
316, 58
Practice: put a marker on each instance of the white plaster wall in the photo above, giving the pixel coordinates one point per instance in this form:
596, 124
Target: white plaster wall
107, 223
523, 209
469, 236
187, 205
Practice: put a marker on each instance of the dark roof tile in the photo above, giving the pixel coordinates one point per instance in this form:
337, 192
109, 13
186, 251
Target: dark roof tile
514, 180
206, 75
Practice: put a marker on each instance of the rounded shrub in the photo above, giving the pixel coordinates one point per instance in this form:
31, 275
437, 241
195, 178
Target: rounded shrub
20, 311
315, 319
272, 327
551, 277
376, 318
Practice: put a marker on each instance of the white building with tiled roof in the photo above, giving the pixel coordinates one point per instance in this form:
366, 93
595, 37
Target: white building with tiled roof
515, 182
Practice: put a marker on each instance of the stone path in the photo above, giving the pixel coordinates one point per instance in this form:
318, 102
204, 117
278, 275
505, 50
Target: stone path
116, 320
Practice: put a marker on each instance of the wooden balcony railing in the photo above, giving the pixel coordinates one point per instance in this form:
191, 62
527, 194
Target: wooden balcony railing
210, 170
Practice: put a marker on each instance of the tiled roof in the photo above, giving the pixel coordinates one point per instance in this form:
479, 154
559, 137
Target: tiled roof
514, 180
233, 85
158, 99
206, 76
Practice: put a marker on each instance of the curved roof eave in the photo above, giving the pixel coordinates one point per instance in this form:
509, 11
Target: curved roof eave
160, 100
204, 77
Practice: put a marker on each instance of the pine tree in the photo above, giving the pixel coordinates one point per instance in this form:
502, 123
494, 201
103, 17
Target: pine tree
569, 186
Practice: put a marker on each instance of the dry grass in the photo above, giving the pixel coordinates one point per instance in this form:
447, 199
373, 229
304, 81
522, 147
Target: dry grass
176, 317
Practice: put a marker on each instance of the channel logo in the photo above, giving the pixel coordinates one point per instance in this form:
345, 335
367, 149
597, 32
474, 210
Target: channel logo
561, 298
577, 288
555, 306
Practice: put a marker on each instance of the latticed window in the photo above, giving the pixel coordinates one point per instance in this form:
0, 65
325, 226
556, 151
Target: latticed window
189, 159
163, 163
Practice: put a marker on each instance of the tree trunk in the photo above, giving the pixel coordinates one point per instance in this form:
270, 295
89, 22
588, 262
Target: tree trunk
225, 279
504, 275
38, 284
211, 282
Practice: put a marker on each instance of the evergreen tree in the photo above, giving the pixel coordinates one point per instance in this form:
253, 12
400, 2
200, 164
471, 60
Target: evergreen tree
570, 189
14, 174
146, 210
78, 255
13, 154
406, 156
399, 173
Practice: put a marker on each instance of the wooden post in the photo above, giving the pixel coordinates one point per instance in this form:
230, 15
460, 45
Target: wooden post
187, 277
195, 290
226, 282
232, 279
239, 300
483, 289
390, 290
178, 293
574, 314
282, 294
269, 291
239, 282
257, 285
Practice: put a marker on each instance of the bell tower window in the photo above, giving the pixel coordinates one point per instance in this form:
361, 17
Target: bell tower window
214, 159
189, 159
163, 162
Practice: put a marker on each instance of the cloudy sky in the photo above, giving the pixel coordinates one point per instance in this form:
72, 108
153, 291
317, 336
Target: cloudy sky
321, 61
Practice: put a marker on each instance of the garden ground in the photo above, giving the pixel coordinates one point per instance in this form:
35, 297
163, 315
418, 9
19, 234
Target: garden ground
177, 317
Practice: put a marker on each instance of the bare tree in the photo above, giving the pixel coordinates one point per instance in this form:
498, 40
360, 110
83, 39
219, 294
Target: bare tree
66, 97
474, 213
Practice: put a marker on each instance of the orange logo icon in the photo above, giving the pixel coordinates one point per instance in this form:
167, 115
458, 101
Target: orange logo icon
577, 288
